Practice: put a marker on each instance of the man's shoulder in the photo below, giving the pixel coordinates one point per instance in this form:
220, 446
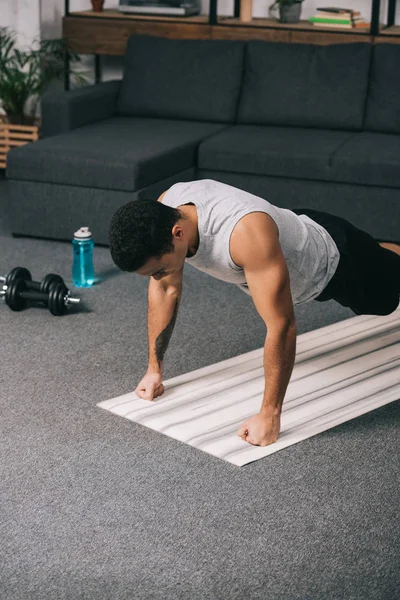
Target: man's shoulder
253, 227
255, 222
160, 199
198, 187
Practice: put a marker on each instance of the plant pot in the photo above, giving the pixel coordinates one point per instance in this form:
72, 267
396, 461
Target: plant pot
97, 5
290, 13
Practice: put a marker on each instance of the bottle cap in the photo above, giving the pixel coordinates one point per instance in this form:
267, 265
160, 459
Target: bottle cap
83, 233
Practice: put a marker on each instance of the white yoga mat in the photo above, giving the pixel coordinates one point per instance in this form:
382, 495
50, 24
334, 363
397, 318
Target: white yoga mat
341, 371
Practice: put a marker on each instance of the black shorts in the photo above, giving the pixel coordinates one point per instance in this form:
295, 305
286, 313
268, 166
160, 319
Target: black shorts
367, 278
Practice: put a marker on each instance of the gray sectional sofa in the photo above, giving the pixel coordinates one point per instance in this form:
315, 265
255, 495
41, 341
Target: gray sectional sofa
298, 124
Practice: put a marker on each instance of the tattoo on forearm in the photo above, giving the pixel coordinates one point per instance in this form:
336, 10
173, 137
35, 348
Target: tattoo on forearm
164, 337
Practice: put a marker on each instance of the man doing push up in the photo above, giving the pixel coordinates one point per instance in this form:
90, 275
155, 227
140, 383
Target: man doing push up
280, 257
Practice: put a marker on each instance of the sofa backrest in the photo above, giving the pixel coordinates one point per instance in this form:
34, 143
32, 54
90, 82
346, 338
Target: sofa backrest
305, 85
181, 79
383, 103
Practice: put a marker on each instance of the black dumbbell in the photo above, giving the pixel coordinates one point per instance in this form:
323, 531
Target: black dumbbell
16, 295
22, 273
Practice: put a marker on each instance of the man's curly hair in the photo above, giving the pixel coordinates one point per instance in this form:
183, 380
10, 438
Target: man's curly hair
140, 230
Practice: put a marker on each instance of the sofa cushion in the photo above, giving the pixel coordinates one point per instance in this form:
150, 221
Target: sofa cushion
279, 151
369, 159
181, 79
383, 105
119, 153
305, 85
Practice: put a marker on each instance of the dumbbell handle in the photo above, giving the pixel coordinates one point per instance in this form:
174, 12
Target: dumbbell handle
33, 285
39, 286
32, 295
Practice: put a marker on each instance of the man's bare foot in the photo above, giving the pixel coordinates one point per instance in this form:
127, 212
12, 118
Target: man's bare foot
393, 247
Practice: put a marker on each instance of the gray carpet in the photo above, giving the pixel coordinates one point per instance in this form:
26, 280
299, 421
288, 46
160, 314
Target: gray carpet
96, 507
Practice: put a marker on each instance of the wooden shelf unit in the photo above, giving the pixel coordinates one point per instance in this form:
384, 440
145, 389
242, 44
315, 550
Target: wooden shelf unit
99, 35
394, 30
107, 32
273, 30
303, 24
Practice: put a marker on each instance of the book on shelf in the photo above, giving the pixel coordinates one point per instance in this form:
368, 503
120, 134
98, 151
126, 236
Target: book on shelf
334, 9
333, 21
338, 18
332, 25
360, 22
334, 17
336, 26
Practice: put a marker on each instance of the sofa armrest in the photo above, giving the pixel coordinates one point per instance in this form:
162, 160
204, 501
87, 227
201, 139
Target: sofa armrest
64, 111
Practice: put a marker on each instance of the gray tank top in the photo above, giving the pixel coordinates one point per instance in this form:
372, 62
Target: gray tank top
310, 252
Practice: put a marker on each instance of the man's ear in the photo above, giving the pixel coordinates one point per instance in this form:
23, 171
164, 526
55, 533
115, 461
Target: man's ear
177, 231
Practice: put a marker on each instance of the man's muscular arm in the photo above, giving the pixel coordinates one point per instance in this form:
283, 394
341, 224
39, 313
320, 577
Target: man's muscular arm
163, 299
163, 310
256, 248
162, 340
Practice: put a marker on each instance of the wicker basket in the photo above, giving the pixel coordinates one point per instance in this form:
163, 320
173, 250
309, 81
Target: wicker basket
12, 136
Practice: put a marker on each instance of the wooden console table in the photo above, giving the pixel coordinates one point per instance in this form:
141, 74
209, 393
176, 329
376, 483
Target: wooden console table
107, 32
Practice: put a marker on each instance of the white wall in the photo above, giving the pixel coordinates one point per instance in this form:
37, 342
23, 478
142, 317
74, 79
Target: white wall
260, 7
23, 16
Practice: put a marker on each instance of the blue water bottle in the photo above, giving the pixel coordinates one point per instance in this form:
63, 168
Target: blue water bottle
82, 268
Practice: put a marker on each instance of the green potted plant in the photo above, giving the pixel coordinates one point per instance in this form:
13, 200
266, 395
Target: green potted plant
25, 75
289, 10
